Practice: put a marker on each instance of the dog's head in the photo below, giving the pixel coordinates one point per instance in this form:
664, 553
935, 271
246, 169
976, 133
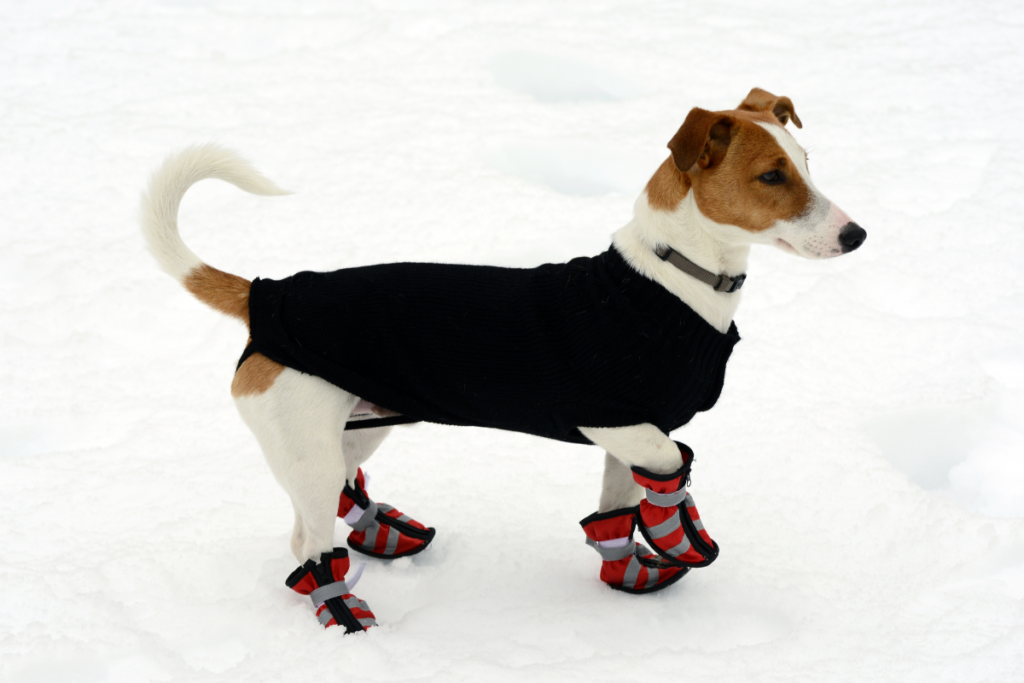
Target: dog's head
746, 171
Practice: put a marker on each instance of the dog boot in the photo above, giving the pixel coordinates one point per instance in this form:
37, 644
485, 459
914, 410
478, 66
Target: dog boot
324, 583
668, 518
378, 529
626, 565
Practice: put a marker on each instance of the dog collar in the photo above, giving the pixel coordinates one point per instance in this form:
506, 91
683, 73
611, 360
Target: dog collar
720, 283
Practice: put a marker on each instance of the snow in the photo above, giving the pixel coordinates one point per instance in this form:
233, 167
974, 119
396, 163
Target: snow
862, 471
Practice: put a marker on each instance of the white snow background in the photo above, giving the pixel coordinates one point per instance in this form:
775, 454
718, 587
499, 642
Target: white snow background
863, 471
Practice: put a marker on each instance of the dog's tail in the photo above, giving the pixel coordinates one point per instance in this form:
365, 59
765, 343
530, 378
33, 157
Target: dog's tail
225, 292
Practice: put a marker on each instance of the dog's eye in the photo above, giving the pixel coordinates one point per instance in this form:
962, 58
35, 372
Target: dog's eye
772, 178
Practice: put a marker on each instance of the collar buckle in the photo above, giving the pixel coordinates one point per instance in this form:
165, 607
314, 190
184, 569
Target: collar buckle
730, 284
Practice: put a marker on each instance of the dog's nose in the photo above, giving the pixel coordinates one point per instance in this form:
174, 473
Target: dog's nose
852, 236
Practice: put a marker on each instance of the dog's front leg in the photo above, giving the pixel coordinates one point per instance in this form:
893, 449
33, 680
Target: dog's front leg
666, 515
618, 490
642, 445
627, 565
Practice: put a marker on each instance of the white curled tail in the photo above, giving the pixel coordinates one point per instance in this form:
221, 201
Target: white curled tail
159, 215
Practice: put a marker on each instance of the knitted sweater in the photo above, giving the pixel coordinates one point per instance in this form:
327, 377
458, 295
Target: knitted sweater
545, 350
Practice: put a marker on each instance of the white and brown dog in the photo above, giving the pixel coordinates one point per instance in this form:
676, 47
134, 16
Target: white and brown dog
734, 178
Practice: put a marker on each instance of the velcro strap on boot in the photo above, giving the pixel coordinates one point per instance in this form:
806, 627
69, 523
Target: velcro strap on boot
324, 582
366, 519
666, 500
331, 590
613, 554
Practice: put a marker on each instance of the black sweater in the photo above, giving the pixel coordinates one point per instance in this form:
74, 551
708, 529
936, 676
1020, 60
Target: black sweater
545, 350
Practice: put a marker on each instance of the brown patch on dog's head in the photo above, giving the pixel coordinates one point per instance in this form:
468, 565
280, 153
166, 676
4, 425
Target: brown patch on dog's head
755, 184
702, 139
667, 186
780, 107
256, 375
737, 170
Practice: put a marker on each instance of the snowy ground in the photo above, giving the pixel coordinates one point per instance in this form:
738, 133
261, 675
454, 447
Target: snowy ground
862, 472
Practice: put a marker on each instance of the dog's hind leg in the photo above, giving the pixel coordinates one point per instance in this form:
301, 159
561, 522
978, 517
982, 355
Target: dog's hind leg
360, 444
378, 529
298, 421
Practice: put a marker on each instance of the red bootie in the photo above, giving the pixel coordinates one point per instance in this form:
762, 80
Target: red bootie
627, 565
378, 529
668, 518
324, 583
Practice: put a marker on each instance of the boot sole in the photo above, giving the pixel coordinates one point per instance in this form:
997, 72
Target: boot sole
656, 587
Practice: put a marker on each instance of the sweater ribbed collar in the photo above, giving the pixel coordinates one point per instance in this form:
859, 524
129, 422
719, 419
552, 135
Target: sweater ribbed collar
653, 299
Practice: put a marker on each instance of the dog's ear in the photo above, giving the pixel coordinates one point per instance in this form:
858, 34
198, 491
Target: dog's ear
703, 139
781, 107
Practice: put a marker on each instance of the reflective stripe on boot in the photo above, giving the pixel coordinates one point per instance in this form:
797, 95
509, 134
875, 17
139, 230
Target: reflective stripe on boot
626, 565
668, 518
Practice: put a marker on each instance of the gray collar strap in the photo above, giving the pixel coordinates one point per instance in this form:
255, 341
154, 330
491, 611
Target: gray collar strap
720, 283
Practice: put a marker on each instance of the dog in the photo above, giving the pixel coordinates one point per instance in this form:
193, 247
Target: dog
615, 350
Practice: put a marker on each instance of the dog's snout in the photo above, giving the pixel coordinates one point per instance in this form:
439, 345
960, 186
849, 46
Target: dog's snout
852, 236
